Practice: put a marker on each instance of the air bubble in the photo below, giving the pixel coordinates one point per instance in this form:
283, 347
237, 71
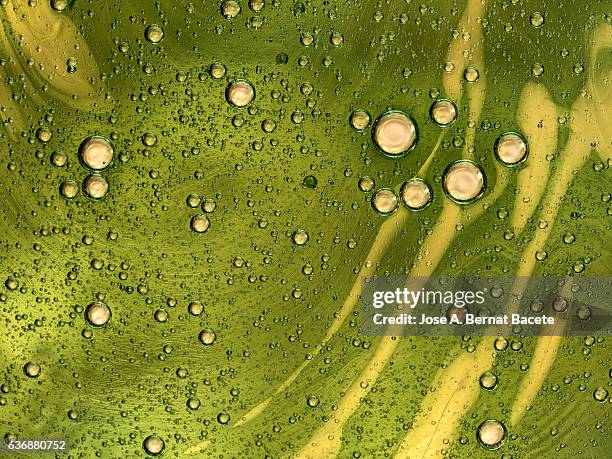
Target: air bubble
360, 120
366, 183
31, 370
443, 112
299, 237
416, 194
217, 70
511, 149
97, 314
395, 133
69, 189
207, 337
154, 34
230, 9
491, 434
471, 74
200, 223
96, 153
463, 181
153, 445
240, 93
95, 186
385, 201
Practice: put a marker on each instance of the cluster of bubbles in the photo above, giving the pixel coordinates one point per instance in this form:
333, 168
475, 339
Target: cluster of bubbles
95, 154
395, 134
201, 223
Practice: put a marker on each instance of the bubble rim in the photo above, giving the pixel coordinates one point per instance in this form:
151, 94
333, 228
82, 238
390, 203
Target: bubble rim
475, 198
424, 206
443, 126
496, 446
229, 85
82, 145
382, 214
518, 163
416, 133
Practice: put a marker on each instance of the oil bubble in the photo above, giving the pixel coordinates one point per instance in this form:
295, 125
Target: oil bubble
207, 337
96, 153
416, 194
491, 434
511, 149
97, 314
385, 201
230, 9
154, 33
443, 112
31, 370
360, 120
395, 133
240, 93
463, 181
299, 237
95, 186
153, 445
200, 223
69, 189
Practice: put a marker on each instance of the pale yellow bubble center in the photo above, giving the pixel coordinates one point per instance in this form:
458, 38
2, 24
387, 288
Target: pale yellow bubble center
464, 181
511, 149
96, 153
415, 194
395, 133
385, 201
240, 93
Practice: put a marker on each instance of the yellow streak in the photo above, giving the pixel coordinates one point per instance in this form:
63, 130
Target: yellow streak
535, 107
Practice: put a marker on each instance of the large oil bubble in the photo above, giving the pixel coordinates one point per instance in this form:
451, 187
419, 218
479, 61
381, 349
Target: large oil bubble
464, 181
395, 133
96, 153
443, 112
416, 194
97, 314
154, 33
31, 370
385, 201
491, 434
511, 149
240, 93
95, 186
200, 223
153, 445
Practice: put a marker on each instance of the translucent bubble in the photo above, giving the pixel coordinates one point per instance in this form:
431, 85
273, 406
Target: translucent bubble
161, 315
268, 125
471, 74
195, 308
256, 5
95, 186
416, 194
500, 343
193, 403
43, 134
153, 445
312, 401
360, 120
336, 39
307, 39
600, 394
59, 158
59, 5
207, 337
395, 133
463, 181
230, 9
537, 20
69, 189
193, 200
443, 112
217, 70
96, 153
149, 139
366, 183
209, 205
310, 181
560, 304
511, 149
97, 314
491, 434
385, 201
240, 93
200, 223
31, 369
223, 418
299, 237
154, 33
488, 381
537, 69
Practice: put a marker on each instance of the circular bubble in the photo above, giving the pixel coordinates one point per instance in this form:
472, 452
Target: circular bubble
69, 189
95, 186
488, 381
217, 70
230, 9
43, 134
471, 74
31, 369
153, 445
223, 418
395, 133
59, 5
96, 153
366, 183
200, 223
360, 120
537, 20
416, 194
97, 314
154, 33
59, 158
443, 112
195, 308
299, 237
511, 149
491, 434
240, 93
385, 201
463, 181
207, 337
